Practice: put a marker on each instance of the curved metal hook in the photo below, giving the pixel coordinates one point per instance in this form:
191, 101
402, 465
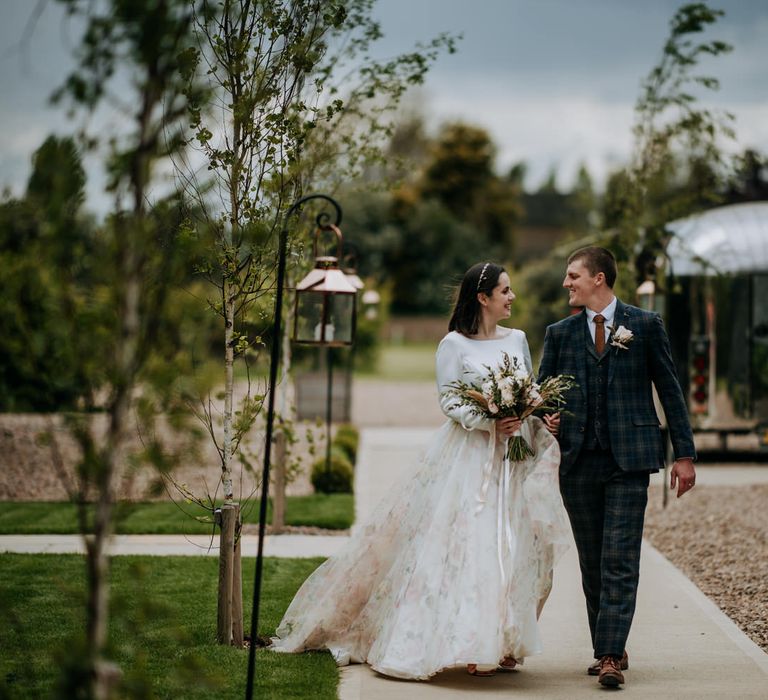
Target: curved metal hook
339, 239
323, 218
351, 257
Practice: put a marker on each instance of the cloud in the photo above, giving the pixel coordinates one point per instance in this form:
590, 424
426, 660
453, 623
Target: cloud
751, 126
554, 81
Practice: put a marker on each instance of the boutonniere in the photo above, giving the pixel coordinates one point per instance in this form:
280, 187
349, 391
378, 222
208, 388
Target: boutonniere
621, 337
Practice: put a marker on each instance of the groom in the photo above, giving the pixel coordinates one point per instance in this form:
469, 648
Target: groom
610, 442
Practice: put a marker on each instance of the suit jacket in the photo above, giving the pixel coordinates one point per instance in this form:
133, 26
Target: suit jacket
633, 426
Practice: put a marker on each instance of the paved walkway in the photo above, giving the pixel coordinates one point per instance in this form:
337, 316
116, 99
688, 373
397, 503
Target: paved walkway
176, 545
681, 646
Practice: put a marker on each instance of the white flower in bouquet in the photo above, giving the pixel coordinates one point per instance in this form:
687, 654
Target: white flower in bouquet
521, 375
507, 387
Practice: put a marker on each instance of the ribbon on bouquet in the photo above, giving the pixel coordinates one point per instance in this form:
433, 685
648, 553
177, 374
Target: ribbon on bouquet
487, 469
503, 524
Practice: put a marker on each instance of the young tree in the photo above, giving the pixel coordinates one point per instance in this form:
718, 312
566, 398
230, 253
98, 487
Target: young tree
678, 161
140, 257
295, 100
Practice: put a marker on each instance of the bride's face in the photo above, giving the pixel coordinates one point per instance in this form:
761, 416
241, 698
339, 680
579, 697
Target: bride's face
498, 305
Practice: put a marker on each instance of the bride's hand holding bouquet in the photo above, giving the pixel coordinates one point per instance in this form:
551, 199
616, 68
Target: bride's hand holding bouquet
507, 427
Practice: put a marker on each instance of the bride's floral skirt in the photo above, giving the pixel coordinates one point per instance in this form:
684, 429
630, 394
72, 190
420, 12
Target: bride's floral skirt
452, 567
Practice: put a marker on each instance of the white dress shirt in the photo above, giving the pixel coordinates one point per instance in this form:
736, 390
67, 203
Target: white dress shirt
608, 313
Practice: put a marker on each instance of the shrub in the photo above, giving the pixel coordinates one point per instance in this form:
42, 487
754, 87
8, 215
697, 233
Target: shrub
347, 444
347, 431
337, 478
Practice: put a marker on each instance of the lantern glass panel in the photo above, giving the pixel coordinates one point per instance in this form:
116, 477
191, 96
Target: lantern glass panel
341, 315
309, 316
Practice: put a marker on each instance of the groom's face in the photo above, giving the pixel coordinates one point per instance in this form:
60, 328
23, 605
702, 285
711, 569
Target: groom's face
581, 285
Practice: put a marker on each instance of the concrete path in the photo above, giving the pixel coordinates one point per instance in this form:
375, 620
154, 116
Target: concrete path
176, 545
681, 646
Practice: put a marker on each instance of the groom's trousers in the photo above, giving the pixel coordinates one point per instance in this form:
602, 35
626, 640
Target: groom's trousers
606, 507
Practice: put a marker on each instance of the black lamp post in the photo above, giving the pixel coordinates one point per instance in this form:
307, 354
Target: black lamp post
349, 267
325, 315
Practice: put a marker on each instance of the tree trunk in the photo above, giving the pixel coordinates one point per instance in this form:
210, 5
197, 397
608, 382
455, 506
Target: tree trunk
237, 585
229, 387
97, 613
227, 552
229, 628
278, 494
229, 513
286, 411
104, 674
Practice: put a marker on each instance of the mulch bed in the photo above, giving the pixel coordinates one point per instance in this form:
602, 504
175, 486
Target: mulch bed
253, 529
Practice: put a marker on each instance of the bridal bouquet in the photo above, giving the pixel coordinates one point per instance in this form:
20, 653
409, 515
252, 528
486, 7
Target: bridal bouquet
509, 391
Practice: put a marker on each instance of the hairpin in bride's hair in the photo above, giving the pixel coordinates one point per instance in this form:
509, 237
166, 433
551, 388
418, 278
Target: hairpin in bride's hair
482, 276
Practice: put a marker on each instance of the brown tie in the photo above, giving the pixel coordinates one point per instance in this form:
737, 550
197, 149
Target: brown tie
599, 333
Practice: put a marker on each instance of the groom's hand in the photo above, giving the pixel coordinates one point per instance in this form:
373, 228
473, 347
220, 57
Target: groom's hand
552, 422
683, 475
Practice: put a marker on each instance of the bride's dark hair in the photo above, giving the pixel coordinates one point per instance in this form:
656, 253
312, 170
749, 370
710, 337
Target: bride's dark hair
482, 277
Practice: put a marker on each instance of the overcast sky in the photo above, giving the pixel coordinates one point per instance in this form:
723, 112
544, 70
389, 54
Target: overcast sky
554, 81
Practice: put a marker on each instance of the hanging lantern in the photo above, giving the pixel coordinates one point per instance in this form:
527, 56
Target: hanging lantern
349, 266
371, 300
645, 295
325, 302
354, 279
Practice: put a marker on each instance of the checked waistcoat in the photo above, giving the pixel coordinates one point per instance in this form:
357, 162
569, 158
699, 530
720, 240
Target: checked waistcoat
596, 430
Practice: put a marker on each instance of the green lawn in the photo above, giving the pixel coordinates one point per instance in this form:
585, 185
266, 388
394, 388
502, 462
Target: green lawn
333, 511
162, 631
412, 362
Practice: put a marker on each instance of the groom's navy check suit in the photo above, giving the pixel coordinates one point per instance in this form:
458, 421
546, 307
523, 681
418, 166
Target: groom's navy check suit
610, 440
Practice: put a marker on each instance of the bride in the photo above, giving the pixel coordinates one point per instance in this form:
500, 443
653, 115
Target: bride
455, 564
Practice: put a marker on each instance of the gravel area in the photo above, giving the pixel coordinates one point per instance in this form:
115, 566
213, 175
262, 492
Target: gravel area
28, 470
718, 536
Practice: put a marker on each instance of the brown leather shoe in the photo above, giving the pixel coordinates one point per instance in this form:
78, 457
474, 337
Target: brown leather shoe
594, 669
610, 672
